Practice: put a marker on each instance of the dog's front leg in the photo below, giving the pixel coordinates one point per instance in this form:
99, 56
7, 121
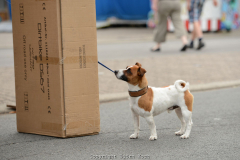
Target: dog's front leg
136, 125
152, 126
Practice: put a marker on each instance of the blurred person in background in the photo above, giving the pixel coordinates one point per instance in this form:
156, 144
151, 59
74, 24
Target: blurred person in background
195, 9
165, 9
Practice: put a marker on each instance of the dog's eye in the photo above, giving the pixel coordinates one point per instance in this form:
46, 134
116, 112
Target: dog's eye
129, 71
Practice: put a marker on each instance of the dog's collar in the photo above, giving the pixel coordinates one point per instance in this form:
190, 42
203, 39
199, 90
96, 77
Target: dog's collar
138, 93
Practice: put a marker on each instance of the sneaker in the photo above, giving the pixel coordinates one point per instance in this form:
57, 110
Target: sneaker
200, 45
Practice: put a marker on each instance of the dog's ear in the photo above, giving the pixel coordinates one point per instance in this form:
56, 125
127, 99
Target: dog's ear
141, 71
138, 64
127, 67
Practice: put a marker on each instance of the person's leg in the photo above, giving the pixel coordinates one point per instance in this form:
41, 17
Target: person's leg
198, 29
193, 16
191, 45
160, 32
199, 34
184, 40
161, 27
197, 24
178, 24
193, 34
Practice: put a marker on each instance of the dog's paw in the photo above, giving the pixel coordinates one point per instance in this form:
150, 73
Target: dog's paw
185, 136
133, 136
179, 133
152, 138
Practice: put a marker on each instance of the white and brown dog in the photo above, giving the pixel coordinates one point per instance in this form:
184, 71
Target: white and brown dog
147, 102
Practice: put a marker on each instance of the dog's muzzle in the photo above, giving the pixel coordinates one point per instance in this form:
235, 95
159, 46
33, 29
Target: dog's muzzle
116, 72
120, 75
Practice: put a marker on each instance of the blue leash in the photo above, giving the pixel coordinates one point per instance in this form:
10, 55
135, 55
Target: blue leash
105, 66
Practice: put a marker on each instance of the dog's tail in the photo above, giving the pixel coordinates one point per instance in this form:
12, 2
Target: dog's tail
181, 85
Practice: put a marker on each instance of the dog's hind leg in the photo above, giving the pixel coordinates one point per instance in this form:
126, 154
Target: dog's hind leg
188, 118
136, 125
183, 123
187, 112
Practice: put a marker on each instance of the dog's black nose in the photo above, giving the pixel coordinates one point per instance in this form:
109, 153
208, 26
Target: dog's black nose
116, 72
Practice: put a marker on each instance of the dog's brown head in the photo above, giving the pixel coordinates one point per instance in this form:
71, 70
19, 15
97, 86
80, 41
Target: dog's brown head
132, 74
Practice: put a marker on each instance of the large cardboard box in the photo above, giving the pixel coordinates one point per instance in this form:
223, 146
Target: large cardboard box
56, 69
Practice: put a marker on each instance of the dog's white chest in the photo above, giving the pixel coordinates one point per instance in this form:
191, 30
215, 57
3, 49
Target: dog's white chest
134, 107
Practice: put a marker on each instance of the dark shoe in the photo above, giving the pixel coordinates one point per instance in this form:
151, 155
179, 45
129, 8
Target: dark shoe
200, 45
190, 46
184, 48
155, 50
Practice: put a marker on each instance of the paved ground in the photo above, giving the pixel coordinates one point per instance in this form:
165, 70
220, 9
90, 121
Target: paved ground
210, 65
215, 134
119, 47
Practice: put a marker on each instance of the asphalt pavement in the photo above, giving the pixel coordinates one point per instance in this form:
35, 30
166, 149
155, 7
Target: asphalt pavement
215, 134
